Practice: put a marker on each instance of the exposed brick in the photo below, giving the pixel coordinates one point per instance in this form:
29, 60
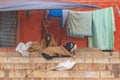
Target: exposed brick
3, 59
65, 74
114, 67
89, 66
16, 66
17, 60
80, 60
38, 60
39, 74
97, 55
51, 65
55, 79
75, 67
85, 54
84, 74
54, 60
6, 72
41, 66
92, 67
29, 74
17, 79
2, 74
17, 74
76, 74
101, 60
58, 79
88, 60
115, 54
106, 74
106, 54
114, 60
91, 74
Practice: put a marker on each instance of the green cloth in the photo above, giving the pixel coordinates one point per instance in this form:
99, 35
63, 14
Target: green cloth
79, 23
103, 29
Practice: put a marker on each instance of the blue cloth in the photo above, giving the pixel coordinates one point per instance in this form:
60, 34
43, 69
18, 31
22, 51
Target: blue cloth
56, 13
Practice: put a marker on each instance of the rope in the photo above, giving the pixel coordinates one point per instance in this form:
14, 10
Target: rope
44, 21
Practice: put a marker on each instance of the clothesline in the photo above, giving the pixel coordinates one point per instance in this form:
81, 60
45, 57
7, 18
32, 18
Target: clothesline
101, 26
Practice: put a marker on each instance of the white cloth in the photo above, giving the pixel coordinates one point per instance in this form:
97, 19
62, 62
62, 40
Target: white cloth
65, 65
22, 48
65, 15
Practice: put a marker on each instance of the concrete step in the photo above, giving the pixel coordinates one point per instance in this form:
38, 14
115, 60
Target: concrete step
20, 67
90, 65
58, 60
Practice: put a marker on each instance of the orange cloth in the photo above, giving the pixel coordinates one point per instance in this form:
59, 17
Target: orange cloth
40, 46
52, 51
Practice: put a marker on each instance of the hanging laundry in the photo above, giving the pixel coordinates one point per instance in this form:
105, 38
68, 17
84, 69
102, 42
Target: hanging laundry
61, 14
56, 13
64, 16
103, 29
117, 9
79, 24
